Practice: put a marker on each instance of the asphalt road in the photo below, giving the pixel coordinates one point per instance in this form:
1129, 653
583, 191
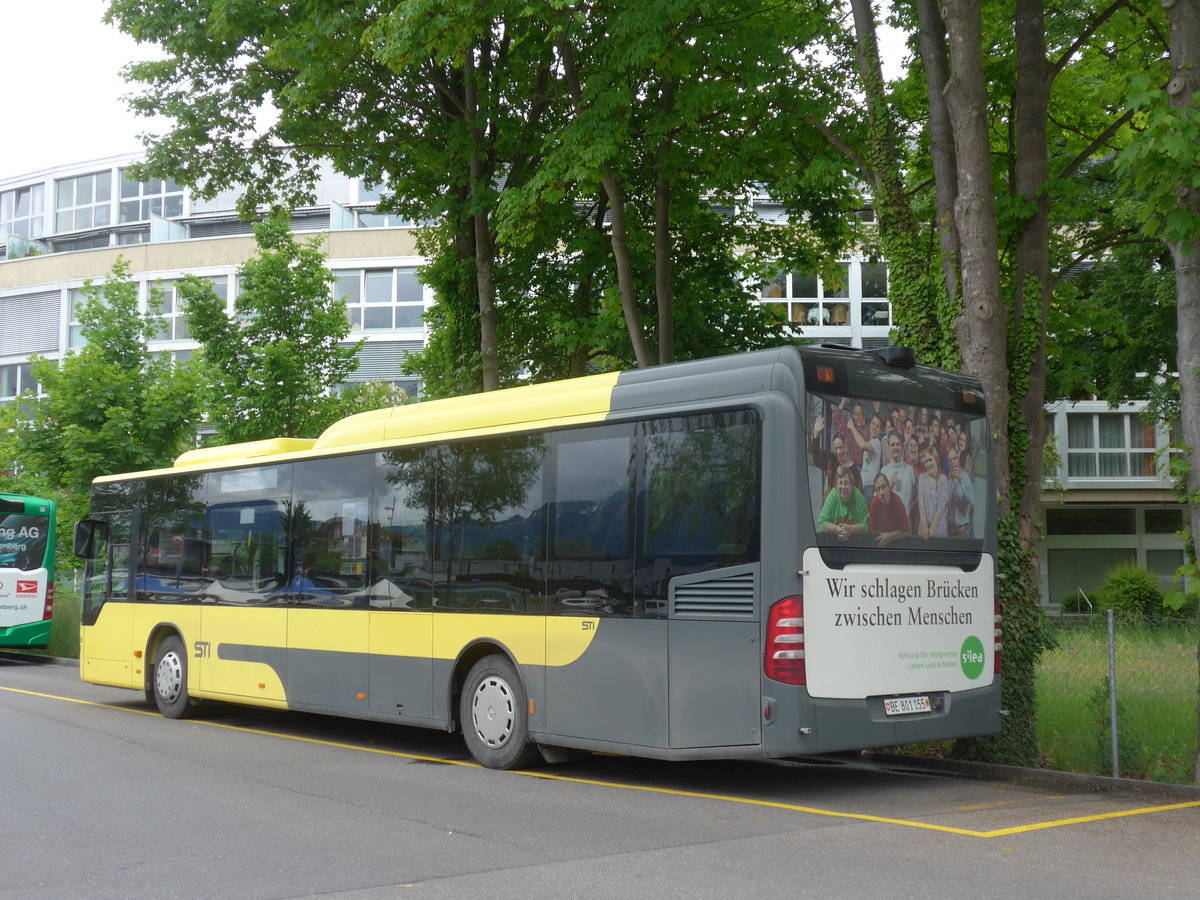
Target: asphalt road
104, 798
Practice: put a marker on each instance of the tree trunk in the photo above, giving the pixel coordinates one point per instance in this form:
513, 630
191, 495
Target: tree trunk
911, 290
620, 245
982, 326
619, 233
664, 275
485, 266
1033, 288
1183, 16
931, 39
485, 243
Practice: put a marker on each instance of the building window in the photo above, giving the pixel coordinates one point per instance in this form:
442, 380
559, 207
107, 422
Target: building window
16, 380
174, 325
804, 298
1091, 520
22, 211
381, 299
1168, 520
1109, 445
875, 307
141, 199
1165, 565
83, 202
136, 236
75, 339
371, 219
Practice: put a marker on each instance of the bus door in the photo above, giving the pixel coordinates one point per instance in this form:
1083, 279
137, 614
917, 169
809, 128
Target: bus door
244, 621
399, 591
107, 614
328, 628
698, 557
606, 648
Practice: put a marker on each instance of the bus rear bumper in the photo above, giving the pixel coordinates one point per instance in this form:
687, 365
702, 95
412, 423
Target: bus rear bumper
830, 725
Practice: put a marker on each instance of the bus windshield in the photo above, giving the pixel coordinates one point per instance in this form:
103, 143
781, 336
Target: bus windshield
901, 475
23, 541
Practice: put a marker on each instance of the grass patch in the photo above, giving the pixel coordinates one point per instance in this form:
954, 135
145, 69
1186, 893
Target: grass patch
64, 633
1156, 700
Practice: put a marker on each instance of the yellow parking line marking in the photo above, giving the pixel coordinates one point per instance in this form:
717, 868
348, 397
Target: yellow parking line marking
722, 798
1080, 820
908, 823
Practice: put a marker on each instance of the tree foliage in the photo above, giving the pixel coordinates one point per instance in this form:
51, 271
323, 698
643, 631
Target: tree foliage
570, 157
110, 406
274, 364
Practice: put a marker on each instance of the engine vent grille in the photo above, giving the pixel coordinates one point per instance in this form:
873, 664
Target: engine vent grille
729, 597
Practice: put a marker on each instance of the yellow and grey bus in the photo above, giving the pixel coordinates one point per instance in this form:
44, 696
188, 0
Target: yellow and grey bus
683, 562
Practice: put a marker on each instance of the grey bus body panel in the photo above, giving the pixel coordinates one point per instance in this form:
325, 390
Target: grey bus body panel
618, 686
714, 687
400, 686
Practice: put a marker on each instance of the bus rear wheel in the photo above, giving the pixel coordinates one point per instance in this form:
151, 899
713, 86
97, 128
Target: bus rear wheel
493, 714
170, 679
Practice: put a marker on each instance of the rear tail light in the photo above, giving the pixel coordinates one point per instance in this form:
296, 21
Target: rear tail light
784, 659
48, 612
997, 634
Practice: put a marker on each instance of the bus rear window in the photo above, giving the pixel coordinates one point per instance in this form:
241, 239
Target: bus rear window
23, 541
885, 473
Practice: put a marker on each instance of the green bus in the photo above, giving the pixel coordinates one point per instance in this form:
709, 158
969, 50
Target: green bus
679, 562
26, 570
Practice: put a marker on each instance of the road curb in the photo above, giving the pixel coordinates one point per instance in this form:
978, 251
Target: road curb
1040, 778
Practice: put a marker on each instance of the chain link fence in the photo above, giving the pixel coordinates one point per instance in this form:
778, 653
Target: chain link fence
1147, 727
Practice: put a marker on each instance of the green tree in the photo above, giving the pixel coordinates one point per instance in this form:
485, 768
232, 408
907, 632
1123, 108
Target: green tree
110, 406
274, 365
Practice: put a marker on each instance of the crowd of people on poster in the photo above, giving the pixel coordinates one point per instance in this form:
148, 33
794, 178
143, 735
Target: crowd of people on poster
894, 472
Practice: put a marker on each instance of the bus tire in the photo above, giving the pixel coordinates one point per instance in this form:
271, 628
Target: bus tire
493, 714
170, 679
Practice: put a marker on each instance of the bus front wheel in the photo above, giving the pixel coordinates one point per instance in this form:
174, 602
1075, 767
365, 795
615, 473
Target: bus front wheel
493, 714
170, 679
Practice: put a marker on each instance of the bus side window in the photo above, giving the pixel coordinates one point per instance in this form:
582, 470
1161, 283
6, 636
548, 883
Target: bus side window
491, 525
330, 513
591, 553
404, 492
172, 557
249, 526
701, 484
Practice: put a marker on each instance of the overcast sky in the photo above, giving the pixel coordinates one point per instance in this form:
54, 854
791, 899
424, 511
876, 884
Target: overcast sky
62, 97
62, 100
